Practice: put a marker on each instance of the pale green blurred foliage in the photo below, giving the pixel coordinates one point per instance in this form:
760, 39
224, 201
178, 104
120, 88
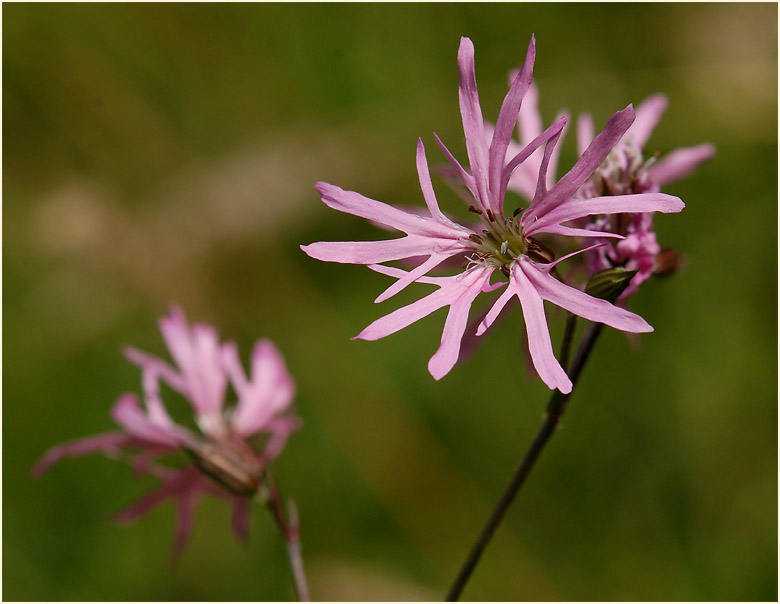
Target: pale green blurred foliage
161, 153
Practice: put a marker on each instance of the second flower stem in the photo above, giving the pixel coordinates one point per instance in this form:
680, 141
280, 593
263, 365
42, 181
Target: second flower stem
555, 409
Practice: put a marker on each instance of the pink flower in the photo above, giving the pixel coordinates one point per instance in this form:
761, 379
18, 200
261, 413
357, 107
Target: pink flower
624, 171
502, 244
226, 462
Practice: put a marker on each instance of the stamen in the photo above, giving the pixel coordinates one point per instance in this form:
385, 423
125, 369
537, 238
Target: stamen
505, 269
504, 247
474, 210
517, 212
490, 216
475, 238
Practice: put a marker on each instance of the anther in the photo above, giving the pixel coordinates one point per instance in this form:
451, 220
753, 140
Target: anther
475, 238
490, 216
504, 247
505, 269
474, 210
518, 211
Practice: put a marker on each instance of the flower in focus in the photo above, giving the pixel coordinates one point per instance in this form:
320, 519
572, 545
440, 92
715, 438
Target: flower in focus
234, 445
502, 244
624, 171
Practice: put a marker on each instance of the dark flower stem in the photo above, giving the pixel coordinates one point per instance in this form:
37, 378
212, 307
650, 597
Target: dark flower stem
288, 526
555, 409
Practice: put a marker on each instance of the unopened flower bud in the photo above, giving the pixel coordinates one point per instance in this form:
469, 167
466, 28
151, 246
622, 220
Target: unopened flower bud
228, 467
610, 283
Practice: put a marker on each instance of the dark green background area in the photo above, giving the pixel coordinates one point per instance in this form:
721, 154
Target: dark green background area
167, 153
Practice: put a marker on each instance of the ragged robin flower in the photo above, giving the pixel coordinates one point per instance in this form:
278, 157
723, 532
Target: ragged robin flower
229, 456
504, 245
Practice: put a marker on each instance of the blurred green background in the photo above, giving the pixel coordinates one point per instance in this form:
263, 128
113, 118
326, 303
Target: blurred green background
161, 153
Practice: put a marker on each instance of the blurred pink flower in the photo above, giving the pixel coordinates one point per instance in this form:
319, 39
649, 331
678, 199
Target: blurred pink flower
624, 171
235, 445
502, 242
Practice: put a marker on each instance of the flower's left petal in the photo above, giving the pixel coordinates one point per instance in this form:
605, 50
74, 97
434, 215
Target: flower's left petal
109, 442
446, 356
538, 334
680, 163
581, 304
426, 185
374, 252
465, 177
648, 114
507, 118
148, 362
615, 204
356, 204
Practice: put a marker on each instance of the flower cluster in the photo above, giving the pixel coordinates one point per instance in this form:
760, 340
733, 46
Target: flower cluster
235, 445
504, 250
625, 170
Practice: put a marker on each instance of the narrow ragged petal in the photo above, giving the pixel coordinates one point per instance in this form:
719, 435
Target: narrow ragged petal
680, 163
426, 185
411, 277
581, 304
240, 517
151, 363
473, 125
549, 148
559, 229
109, 443
553, 132
446, 356
374, 252
269, 392
584, 132
539, 343
648, 114
507, 118
590, 160
127, 413
465, 177
574, 208
495, 310
356, 204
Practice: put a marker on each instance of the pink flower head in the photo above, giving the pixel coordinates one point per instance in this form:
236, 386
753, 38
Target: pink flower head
235, 445
624, 171
501, 244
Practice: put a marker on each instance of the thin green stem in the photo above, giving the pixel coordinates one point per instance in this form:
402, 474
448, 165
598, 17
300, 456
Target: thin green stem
288, 526
555, 409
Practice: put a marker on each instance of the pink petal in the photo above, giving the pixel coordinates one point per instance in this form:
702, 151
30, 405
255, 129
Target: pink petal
596, 152
128, 414
109, 442
584, 132
558, 229
495, 310
411, 277
270, 391
473, 126
552, 168
372, 252
574, 208
529, 119
427, 186
549, 149
580, 303
648, 114
680, 163
446, 356
553, 132
242, 509
466, 178
539, 343
507, 118
157, 366
280, 429
370, 209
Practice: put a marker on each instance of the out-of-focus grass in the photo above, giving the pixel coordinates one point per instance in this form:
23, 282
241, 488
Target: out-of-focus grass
160, 153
